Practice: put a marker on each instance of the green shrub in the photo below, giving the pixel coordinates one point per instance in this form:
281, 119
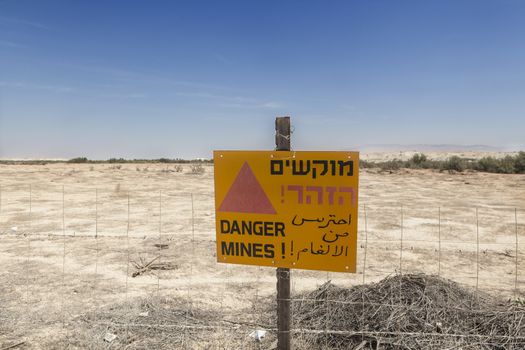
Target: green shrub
78, 160
117, 160
454, 163
519, 163
418, 158
487, 164
507, 165
394, 164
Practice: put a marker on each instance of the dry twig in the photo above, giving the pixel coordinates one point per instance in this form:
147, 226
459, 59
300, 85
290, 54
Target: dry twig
142, 266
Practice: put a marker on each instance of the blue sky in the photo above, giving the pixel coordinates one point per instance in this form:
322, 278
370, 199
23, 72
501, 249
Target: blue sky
148, 79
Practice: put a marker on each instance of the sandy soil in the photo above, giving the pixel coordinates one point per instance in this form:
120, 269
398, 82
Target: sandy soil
67, 247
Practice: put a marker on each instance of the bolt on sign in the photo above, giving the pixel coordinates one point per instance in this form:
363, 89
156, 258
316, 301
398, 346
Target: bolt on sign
287, 209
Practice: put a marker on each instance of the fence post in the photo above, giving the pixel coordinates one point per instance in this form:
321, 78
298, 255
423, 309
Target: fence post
282, 143
517, 250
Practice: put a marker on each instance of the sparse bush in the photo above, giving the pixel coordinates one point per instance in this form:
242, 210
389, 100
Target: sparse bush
178, 168
454, 163
507, 165
395, 164
487, 164
519, 163
418, 160
364, 164
197, 168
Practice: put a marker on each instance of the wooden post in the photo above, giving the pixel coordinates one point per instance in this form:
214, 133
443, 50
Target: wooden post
282, 143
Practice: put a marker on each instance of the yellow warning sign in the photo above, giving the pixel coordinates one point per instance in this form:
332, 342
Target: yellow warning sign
287, 209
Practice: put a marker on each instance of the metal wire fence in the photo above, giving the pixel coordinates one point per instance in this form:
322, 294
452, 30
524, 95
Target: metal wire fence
109, 266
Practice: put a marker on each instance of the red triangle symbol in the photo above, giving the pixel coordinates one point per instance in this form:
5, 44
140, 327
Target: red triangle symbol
246, 195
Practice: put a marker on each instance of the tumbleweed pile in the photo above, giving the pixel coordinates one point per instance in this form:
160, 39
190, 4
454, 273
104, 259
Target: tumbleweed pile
407, 312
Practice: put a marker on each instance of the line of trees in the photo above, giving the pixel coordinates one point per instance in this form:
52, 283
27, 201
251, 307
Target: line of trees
506, 165
80, 160
85, 160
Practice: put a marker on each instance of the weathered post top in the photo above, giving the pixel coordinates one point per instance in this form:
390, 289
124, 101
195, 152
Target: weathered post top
282, 133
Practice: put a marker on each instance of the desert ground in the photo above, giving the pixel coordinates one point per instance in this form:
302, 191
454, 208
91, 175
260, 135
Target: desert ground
73, 235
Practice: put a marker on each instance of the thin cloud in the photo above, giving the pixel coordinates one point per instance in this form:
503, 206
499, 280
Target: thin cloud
131, 96
328, 120
67, 89
208, 95
220, 58
11, 44
350, 108
128, 75
32, 86
264, 105
23, 22
240, 102
271, 105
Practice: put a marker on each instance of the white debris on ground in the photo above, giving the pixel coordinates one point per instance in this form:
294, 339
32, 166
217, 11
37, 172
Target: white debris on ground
258, 334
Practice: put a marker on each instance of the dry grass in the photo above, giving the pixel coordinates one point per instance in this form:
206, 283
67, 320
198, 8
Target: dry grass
155, 323
399, 312
407, 312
